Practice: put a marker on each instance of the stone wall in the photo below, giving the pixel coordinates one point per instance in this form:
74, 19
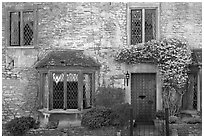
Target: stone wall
182, 20
99, 29
19, 94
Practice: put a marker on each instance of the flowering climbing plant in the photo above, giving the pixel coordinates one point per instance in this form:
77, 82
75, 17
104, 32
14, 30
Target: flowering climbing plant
171, 55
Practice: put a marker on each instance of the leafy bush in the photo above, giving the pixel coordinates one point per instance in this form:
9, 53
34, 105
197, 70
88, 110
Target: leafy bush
192, 120
120, 115
97, 117
109, 97
160, 115
173, 119
19, 126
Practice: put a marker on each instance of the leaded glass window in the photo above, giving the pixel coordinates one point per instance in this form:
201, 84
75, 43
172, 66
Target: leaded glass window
143, 25
21, 27
72, 90
136, 25
190, 95
15, 28
66, 87
58, 90
150, 24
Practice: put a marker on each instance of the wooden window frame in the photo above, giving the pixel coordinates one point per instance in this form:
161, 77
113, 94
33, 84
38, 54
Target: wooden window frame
133, 6
50, 93
21, 9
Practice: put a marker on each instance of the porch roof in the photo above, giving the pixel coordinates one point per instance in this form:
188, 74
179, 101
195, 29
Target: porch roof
67, 58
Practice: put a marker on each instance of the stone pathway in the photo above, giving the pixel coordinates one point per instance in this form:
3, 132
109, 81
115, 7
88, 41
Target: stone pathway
146, 130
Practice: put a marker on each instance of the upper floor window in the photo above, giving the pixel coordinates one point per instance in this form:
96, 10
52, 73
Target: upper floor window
21, 27
143, 25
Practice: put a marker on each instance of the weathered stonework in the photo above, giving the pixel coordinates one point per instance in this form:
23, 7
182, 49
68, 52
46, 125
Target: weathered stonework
99, 29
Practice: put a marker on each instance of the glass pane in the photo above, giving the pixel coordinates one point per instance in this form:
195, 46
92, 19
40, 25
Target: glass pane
190, 96
150, 24
136, 26
87, 91
72, 91
58, 90
28, 22
15, 28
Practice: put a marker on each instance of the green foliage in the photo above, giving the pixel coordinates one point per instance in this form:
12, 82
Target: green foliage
120, 115
52, 124
109, 97
192, 120
97, 117
173, 119
172, 56
160, 115
19, 126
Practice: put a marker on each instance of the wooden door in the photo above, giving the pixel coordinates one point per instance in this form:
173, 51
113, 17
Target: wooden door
143, 96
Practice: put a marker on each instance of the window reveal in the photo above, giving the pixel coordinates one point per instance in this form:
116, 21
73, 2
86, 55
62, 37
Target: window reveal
143, 25
87, 91
46, 91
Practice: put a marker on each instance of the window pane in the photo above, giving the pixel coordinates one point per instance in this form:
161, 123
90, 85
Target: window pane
15, 28
150, 24
190, 96
58, 90
28, 22
136, 26
87, 91
72, 91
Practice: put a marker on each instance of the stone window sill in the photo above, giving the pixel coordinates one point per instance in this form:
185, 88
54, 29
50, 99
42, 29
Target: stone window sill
68, 111
20, 47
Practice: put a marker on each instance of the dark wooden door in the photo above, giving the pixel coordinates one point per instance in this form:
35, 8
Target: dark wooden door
143, 96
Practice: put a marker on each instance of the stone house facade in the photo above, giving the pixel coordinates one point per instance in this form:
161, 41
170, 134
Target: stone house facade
87, 36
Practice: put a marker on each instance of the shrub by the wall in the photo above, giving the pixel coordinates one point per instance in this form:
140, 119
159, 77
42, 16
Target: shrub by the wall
109, 97
120, 115
160, 115
173, 119
192, 120
19, 126
96, 117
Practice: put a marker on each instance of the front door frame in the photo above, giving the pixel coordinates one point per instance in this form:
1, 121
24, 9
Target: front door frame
143, 68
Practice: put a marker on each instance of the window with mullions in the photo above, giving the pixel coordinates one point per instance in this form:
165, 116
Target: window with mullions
65, 90
143, 25
21, 27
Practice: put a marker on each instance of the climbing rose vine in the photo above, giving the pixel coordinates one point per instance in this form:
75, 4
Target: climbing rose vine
172, 56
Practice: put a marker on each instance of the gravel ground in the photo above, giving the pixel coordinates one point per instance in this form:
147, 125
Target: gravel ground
188, 129
182, 129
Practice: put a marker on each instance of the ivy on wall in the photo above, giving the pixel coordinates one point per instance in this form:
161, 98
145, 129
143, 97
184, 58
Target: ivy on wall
171, 55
